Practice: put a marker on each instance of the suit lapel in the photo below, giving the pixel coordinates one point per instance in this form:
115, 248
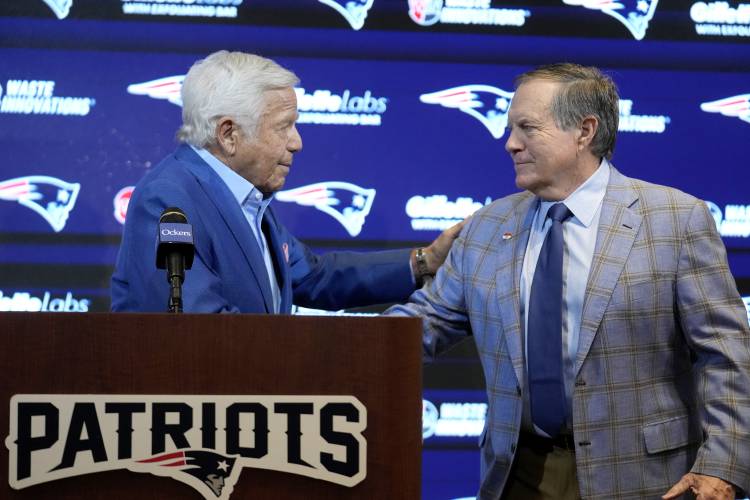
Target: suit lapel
618, 227
231, 212
511, 254
280, 256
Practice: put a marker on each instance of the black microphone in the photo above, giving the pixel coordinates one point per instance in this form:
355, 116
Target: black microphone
174, 252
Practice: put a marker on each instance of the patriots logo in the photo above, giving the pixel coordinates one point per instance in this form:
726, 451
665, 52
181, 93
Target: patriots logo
735, 106
634, 14
51, 198
425, 12
487, 104
168, 88
61, 8
211, 473
347, 203
354, 11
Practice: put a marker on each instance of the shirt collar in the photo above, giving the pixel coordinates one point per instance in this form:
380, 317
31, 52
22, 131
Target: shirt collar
584, 201
243, 190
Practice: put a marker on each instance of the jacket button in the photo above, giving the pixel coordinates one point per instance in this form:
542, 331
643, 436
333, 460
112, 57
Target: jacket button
584, 443
518, 390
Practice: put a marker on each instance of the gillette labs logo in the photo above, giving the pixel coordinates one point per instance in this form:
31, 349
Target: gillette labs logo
469, 12
37, 97
634, 14
323, 107
721, 19
348, 203
354, 11
733, 221
182, 8
452, 419
645, 124
47, 302
436, 212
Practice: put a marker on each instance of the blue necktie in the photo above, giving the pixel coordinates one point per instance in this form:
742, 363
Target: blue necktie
544, 336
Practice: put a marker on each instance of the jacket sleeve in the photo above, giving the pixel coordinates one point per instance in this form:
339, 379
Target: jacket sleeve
441, 303
715, 325
338, 280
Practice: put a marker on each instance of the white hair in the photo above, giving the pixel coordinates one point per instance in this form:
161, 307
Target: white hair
227, 84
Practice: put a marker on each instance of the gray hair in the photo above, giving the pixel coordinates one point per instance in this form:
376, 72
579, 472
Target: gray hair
227, 84
585, 92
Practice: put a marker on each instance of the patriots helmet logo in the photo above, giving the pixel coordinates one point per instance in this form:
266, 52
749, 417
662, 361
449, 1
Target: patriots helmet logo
348, 203
634, 14
425, 12
61, 8
354, 11
211, 473
735, 106
50, 197
487, 104
168, 88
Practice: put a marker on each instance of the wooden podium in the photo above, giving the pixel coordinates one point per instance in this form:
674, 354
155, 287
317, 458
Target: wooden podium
377, 360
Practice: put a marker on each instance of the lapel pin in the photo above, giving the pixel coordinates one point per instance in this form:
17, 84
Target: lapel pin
507, 236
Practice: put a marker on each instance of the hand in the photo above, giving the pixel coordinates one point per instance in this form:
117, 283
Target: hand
436, 253
704, 487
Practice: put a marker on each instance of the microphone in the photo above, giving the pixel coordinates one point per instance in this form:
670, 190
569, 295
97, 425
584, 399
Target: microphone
174, 252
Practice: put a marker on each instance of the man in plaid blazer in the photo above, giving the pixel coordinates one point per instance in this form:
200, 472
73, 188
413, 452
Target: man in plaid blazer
656, 348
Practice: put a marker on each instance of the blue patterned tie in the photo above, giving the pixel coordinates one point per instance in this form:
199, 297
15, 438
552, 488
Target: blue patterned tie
544, 336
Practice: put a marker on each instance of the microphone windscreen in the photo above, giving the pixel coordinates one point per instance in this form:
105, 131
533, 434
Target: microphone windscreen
173, 214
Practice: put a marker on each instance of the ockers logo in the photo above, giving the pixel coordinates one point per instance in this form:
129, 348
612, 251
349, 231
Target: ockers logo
470, 12
354, 11
736, 106
51, 198
347, 203
162, 88
634, 14
202, 441
61, 8
121, 201
487, 104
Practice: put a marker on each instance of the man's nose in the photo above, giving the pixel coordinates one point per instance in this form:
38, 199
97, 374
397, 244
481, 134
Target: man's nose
513, 145
295, 141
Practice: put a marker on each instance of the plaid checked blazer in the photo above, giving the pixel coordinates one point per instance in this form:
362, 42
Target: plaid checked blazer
663, 366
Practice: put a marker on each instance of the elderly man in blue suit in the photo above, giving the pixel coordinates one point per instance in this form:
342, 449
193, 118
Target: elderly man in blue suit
614, 344
239, 138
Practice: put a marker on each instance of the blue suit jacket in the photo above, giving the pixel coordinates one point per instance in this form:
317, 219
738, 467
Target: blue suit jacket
229, 274
663, 364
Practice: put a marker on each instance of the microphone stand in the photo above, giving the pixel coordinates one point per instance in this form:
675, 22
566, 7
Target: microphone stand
176, 270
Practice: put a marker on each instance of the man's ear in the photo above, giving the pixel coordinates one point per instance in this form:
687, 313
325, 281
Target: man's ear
588, 129
227, 134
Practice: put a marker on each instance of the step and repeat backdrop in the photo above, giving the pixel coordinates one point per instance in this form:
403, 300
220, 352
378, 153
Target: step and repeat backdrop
403, 108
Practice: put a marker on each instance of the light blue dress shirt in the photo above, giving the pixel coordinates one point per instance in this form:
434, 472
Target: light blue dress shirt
579, 233
253, 206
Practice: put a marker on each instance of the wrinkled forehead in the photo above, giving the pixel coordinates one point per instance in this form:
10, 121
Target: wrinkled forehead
533, 99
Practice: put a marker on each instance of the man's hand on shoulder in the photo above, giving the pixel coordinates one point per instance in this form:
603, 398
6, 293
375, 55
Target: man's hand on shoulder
427, 260
703, 486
